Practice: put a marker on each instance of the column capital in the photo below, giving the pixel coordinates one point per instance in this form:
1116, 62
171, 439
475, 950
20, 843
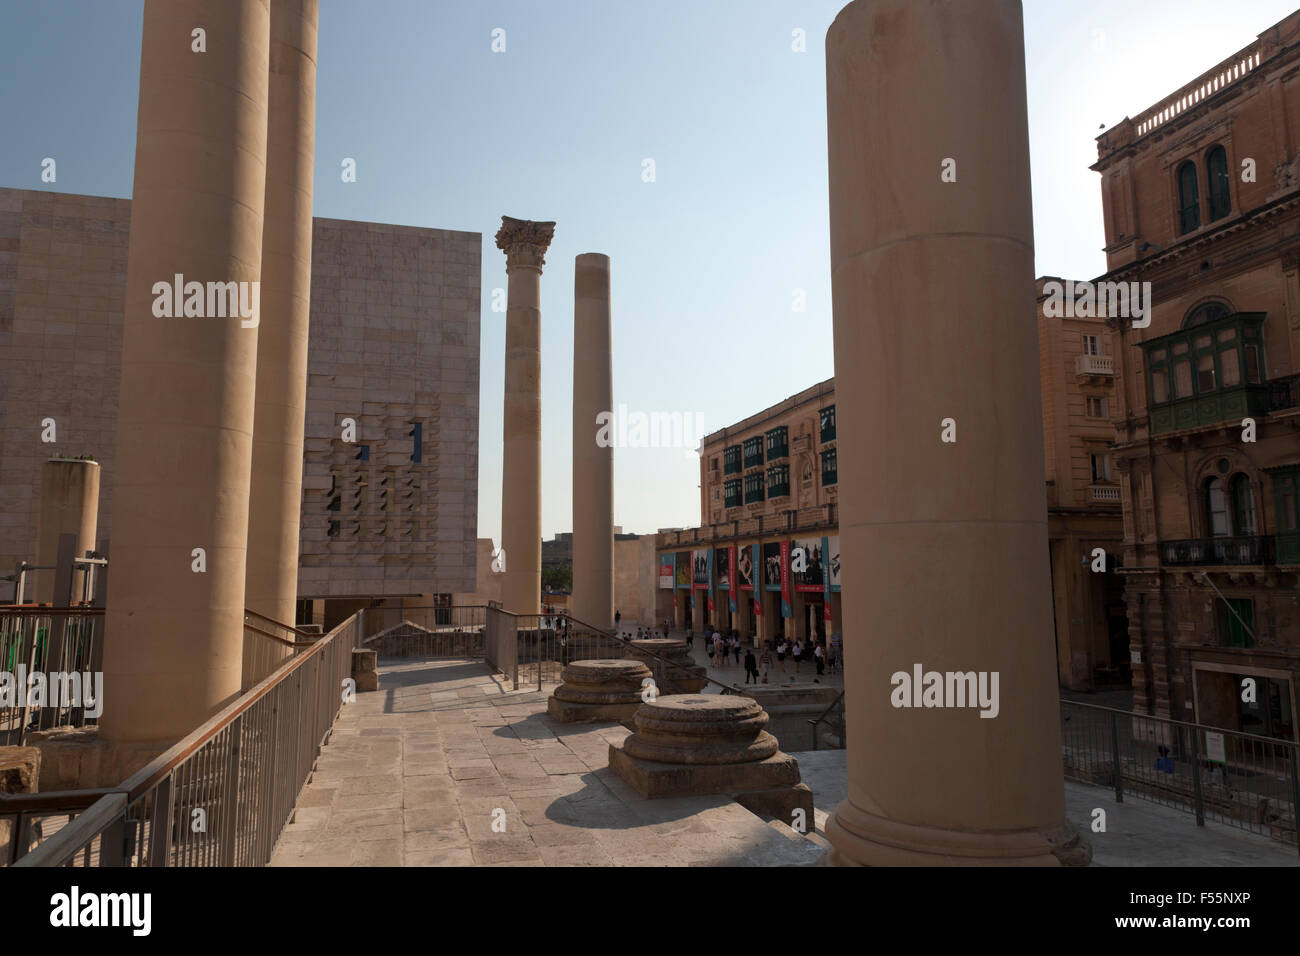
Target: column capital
524, 242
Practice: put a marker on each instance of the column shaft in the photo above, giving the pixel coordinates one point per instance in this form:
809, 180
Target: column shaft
593, 465
944, 543
275, 504
173, 648
69, 503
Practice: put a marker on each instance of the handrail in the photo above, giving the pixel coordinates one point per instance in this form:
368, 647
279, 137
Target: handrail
112, 804
275, 637
815, 722
1185, 723
47, 609
309, 636
824, 713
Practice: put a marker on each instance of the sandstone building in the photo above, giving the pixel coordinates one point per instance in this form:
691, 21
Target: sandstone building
1201, 196
393, 346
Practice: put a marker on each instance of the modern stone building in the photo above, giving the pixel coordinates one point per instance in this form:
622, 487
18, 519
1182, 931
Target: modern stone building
770, 483
394, 346
1201, 195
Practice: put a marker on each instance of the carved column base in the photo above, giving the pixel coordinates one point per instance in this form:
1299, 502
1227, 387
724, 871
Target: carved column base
859, 838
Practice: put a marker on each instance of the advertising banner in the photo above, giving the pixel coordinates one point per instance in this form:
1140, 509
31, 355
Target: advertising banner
709, 581
826, 582
666, 571
833, 560
772, 567
746, 562
731, 592
722, 569
700, 568
755, 565
810, 580
684, 569
786, 609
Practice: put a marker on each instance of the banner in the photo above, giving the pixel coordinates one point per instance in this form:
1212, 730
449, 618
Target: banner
833, 552
683, 569
731, 591
709, 580
666, 571
754, 571
700, 569
772, 554
810, 580
722, 569
826, 582
746, 562
786, 609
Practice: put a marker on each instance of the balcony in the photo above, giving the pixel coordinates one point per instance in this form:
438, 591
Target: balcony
1103, 493
1213, 408
1283, 393
1249, 550
1094, 366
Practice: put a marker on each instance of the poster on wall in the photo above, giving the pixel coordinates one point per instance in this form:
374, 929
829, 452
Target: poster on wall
666, 571
731, 592
810, 555
833, 560
772, 566
745, 568
826, 582
757, 596
700, 569
683, 569
787, 609
709, 580
722, 561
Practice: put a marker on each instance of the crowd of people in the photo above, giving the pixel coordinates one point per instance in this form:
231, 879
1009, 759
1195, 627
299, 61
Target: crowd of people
788, 654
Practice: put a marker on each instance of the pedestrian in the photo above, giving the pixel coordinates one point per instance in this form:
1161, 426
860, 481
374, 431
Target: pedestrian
796, 653
690, 638
735, 646
780, 655
618, 618
765, 660
751, 667
820, 658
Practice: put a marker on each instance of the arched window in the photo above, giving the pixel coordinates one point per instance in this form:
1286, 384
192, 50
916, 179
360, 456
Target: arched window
1208, 312
1216, 174
1216, 509
1243, 507
1189, 199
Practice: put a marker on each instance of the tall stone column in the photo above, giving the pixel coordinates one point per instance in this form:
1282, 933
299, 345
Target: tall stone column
593, 464
524, 243
275, 504
174, 640
69, 504
944, 543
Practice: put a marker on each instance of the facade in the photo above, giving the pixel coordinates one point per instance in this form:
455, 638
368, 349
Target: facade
393, 346
1201, 195
1077, 372
769, 486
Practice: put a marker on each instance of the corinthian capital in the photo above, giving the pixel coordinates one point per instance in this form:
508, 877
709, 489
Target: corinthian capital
524, 242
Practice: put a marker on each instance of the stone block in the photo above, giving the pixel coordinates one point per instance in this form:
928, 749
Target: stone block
365, 670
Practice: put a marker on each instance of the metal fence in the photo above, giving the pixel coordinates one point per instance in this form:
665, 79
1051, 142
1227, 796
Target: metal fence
66, 645
427, 631
219, 797
1237, 779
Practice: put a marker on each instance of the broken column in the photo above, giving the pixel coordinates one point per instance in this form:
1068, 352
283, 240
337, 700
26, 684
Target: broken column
689, 744
598, 690
69, 504
524, 243
593, 461
944, 542
671, 661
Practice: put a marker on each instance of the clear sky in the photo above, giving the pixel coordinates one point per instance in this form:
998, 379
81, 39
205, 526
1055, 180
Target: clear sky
706, 259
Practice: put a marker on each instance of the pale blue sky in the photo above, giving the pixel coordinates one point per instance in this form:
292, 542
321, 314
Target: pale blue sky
448, 134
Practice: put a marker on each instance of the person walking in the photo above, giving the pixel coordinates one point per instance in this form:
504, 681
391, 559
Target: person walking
751, 667
820, 658
708, 649
780, 654
765, 660
618, 618
735, 646
796, 653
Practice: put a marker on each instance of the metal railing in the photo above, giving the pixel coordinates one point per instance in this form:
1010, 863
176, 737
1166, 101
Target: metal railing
64, 644
1245, 549
427, 631
1283, 393
1237, 779
222, 795
832, 719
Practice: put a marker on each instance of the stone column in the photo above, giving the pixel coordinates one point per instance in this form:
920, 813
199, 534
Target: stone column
174, 644
69, 504
275, 504
524, 243
593, 465
944, 544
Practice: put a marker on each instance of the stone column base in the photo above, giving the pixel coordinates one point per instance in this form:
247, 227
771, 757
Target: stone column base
859, 838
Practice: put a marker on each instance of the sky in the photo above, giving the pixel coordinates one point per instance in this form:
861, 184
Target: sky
708, 259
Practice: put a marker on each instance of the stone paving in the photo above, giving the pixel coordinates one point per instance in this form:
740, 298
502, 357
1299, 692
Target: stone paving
445, 766
1138, 832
